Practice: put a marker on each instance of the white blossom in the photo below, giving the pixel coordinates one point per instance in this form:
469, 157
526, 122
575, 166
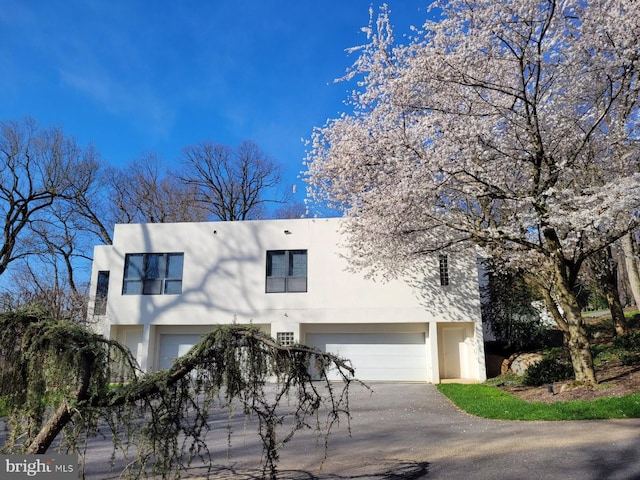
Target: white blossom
499, 122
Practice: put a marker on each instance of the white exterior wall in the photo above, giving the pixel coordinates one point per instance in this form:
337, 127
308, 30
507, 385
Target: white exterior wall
224, 281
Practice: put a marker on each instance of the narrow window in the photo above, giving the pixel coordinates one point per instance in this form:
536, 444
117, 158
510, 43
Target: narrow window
285, 338
444, 270
102, 291
153, 274
286, 271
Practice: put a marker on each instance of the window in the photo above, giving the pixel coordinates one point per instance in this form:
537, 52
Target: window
153, 274
285, 338
102, 290
286, 271
444, 270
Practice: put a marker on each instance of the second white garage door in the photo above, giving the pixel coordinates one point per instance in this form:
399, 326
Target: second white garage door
378, 356
173, 346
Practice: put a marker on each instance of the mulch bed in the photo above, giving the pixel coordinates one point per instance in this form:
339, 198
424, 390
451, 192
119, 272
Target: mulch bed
614, 380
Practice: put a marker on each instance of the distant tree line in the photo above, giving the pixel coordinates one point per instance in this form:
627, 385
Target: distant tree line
58, 199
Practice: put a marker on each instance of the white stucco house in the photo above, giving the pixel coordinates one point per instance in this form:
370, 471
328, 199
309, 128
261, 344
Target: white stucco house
159, 287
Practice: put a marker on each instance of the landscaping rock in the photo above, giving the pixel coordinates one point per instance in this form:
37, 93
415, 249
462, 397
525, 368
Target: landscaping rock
520, 362
506, 363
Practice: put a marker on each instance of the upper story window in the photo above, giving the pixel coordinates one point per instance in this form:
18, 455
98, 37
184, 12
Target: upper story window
102, 291
153, 274
286, 271
443, 261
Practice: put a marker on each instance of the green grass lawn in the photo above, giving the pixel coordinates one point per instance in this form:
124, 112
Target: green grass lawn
491, 402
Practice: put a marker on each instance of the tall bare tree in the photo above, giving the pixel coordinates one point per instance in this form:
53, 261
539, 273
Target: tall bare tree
292, 210
232, 184
143, 191
90, 210
39, 168
43, 280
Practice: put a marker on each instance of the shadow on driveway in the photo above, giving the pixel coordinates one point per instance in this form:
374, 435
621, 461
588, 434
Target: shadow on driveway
408, 471
411, 432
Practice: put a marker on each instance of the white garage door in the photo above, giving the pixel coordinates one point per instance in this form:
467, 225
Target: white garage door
378, 356
174, 346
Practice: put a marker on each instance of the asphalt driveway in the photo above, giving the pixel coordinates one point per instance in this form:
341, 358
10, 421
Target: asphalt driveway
410, 431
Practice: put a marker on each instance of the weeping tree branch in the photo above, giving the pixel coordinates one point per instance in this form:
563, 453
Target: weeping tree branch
61, 379
65, 411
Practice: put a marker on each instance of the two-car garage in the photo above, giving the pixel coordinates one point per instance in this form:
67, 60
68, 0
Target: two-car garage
410, 352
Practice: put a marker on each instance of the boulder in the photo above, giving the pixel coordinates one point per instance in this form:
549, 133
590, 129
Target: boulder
519, 362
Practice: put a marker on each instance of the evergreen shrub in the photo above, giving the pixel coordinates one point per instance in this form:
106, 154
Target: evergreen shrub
552, 368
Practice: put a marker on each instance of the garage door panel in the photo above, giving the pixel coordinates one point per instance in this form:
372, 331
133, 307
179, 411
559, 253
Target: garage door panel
372, 338
378, 356
174, 346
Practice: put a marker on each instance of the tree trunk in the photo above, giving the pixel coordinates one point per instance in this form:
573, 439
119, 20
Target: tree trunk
631, 263
577, 341
64, 412
575, 333
605, 271
50, 430
609, 287
580, 350
564, 275
620, 324
572, 325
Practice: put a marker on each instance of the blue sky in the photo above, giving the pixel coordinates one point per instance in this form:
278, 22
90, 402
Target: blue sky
133, 76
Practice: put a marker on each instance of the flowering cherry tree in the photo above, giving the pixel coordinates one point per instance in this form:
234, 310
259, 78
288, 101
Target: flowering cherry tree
511, 125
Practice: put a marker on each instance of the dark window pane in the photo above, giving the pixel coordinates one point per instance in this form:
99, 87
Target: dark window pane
102, 286
152, 287
174, 265
132, 287
276, 264
102, 291
172, 287
133, 266
298, 263
155, 266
